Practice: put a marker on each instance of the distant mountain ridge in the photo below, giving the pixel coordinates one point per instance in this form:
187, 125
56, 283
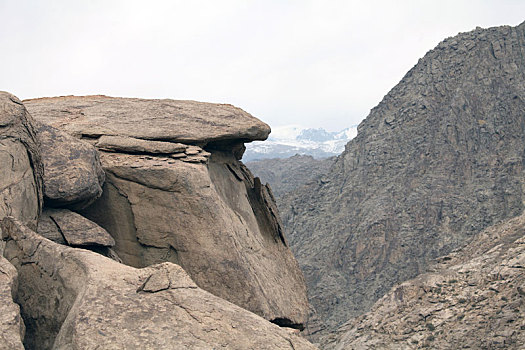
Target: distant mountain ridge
287, 141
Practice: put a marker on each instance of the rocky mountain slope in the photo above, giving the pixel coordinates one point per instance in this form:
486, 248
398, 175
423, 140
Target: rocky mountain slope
437, 161
131, 223
473, 298
287, 174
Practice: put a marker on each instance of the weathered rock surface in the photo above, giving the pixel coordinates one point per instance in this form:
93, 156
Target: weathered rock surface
287, 174
21, 169
73, 175
222, 229
67, 227
175, 191
12, 329
163, 120
134, 145
474, 298
438, 160
75, 299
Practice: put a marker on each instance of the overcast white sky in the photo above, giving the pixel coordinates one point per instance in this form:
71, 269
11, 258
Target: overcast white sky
314, 63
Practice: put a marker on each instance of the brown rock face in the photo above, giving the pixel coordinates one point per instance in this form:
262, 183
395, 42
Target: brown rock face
473, 298
191, 203
437, 161
73, 175
20, 166
165, 120
12, 329
75, 299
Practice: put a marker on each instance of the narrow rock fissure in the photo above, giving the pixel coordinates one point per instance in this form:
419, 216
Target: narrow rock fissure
59, 229
285, 322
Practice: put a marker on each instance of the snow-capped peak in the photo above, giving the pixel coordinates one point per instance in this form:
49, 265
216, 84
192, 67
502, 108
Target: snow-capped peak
286, 141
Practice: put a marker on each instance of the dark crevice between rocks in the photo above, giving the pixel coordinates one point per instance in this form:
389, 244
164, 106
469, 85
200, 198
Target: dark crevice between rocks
44, 304
88, 137
284, 322
138, 153
59, 229
236, 147
261, 203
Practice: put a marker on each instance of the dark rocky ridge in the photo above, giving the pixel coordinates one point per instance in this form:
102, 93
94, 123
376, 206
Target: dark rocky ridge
438, 160
287, 174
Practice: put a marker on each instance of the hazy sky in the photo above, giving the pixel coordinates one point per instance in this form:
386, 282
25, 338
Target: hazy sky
315, 63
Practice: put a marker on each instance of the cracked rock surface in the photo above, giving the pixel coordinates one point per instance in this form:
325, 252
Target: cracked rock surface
76, 299
20, 166
12, 328
219, 224
67, 227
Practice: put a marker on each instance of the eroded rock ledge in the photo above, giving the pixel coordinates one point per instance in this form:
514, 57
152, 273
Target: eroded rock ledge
162, 120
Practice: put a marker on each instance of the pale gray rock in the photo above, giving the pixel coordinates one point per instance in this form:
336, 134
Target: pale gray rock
12, 329
133, 145
474, 298
162, 120
438, 160
215, 220
75, 299
21, 169
73, 176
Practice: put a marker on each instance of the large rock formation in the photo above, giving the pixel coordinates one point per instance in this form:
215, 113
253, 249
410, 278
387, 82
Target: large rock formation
438, 160
76, 299
21, 169
175, 191
474, 298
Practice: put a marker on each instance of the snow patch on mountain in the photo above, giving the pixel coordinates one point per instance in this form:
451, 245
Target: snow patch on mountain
286, 141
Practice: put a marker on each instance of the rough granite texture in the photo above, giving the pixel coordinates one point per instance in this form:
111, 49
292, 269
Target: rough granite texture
75, 299
20, 166
474, 298
175, 191
73, 176
12, 329
163, 120
438, 160
222, 229
67, 227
